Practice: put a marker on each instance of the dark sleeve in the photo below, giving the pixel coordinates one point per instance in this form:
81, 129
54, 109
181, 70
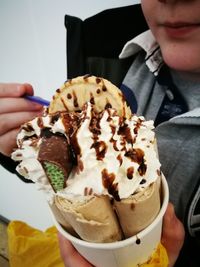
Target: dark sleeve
10, 165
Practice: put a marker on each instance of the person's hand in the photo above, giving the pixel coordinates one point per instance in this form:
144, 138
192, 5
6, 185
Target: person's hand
70, 255
172, 234
14, 111
172, 239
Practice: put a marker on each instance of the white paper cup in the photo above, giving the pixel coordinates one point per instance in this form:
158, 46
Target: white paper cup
126, 253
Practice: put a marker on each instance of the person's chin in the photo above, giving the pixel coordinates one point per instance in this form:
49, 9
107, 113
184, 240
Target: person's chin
181, 58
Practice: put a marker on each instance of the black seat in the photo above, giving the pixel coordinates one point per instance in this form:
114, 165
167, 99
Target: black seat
94, 44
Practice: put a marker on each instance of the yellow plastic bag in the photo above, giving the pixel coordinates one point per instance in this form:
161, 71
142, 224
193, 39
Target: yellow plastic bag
29, 247
158, 259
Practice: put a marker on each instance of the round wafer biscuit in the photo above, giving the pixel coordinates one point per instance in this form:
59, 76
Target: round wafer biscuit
96, 90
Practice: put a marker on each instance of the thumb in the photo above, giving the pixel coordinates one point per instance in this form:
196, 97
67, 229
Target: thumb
172, 234
70, 255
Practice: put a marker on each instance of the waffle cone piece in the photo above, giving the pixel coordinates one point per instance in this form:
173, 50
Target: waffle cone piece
92, 218
62, 219
139, 210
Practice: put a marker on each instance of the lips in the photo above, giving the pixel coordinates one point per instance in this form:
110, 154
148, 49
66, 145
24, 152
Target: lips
180, 24
179, 29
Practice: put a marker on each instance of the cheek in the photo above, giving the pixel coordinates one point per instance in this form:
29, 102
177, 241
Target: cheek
181, 56
148, 11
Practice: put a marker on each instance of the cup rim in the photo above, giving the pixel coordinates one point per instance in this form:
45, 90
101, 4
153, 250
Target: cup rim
127, 241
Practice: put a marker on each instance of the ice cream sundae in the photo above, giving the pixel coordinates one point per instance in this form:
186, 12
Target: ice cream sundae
96, 162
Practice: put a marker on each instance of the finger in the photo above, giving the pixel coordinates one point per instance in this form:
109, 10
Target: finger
8, 105
8, 142
70, 255
15, 89
11, 121
173, 234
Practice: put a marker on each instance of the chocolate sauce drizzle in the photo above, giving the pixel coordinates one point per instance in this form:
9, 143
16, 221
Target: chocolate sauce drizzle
137, 155
100, 148
138, 241
107, 180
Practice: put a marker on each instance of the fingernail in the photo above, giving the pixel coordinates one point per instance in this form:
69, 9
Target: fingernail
40, 113
19, 90
36, 106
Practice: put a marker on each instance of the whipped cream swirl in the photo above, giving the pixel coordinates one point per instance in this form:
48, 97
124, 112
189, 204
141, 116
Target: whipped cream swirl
114, 156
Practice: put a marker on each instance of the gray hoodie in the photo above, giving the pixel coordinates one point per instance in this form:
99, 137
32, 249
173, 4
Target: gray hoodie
178, 138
